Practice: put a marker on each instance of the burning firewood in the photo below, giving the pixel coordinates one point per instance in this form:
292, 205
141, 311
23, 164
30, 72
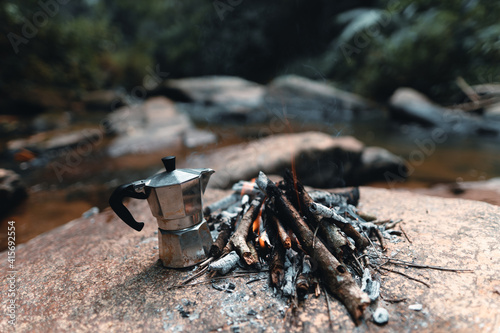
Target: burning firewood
335, 276
282, 234
333, 238
277, 265
217, 247
238, 240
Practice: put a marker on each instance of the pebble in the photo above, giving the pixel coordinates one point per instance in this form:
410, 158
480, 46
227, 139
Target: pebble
381, 316
415, 307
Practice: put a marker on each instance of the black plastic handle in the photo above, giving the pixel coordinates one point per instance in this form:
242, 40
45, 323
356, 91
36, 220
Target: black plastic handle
116, 203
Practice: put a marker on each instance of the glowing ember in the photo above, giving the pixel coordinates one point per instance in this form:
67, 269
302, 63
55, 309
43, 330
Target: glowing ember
247, 187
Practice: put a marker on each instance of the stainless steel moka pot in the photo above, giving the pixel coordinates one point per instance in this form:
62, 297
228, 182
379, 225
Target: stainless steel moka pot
175, 199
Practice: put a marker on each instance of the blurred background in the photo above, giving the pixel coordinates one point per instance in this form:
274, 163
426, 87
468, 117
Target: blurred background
75, 76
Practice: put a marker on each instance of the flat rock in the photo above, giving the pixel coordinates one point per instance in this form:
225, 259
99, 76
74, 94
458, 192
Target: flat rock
55, 140
97, 274
319, 160
216, 99
152, 126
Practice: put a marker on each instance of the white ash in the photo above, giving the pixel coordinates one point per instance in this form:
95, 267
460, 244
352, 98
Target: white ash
306, 265
226, 263
415, 307
327, 198
291, 267
320, 210
381, 316
369, 286
223, 203
248, 186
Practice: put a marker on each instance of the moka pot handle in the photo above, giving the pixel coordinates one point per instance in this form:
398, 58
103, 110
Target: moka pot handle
116, 203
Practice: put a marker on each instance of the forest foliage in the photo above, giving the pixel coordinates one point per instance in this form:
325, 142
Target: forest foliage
369, 47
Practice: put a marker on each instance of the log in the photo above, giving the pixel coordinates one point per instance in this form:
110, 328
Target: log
336, 277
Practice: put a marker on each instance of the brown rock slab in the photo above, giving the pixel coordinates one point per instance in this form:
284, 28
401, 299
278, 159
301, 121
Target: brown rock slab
320, 159
152, 126
96, 274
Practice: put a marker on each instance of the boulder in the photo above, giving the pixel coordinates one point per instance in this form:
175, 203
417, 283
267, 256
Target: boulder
217, 99
492, 112
12, 191
319, 160
302, 99
375, 163
96, 274
408, 105
47, 142
152, 126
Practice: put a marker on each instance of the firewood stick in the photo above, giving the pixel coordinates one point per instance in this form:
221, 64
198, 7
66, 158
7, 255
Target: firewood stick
218, 246
282, 235
304, 278
335, 276
254, 257
334, 240
238, 240
277, 266
361, 241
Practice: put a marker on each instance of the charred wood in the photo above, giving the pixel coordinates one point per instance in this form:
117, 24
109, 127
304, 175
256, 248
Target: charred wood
335, 276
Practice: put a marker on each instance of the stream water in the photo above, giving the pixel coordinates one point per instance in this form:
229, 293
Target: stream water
55, 200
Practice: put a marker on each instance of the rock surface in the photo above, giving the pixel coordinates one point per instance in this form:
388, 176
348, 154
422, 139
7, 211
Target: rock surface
214, 99
485, 190
408, 105
319, 159
151, 126
221, 98
97, 274
312, 101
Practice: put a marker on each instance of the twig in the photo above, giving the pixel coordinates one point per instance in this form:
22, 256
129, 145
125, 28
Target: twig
214, 278
330, 317
394, 300
403, 274
200, 273
205, 263
439, 268
404, 233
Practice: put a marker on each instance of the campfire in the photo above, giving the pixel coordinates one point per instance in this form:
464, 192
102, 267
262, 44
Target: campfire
308, 241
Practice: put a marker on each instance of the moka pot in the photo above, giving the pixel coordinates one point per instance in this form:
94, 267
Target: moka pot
175, 199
